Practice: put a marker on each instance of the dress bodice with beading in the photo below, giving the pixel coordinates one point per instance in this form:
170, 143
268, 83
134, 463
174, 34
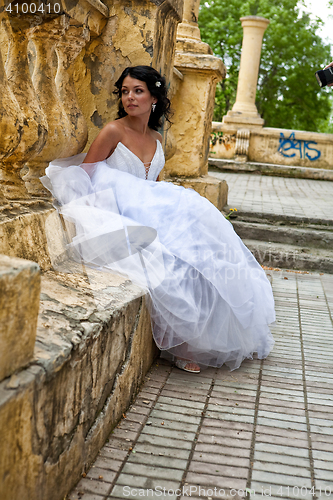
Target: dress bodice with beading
123, 159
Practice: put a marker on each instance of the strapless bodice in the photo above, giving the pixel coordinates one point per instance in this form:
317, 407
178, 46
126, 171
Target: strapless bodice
123, 159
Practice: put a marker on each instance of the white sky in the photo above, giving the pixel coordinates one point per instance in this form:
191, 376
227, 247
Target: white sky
320, 8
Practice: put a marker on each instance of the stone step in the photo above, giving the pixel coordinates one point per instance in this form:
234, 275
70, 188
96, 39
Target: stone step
226, 165
309, 236
283, 255
279, 219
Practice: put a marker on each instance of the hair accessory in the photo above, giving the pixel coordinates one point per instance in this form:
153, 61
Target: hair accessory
153, 106
158, 83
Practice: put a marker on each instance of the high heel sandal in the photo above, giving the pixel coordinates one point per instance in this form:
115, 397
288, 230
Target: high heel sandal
182, 363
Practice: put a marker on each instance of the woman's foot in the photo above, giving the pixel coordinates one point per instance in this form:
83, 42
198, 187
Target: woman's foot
187, 366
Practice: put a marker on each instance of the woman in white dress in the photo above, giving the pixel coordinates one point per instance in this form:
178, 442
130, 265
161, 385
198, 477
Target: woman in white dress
210, 301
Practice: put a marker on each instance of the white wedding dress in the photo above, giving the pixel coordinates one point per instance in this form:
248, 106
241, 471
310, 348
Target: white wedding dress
210, 301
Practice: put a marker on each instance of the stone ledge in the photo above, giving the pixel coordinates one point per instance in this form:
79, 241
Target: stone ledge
19, 303
89, 362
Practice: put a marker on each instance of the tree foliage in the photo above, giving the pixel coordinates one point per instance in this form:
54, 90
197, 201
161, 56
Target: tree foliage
288, 95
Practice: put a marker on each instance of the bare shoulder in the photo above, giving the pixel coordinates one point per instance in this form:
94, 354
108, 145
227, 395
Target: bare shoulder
105, 142
114, 129
157, 136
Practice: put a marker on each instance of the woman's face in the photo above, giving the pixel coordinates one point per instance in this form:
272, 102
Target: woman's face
136, 97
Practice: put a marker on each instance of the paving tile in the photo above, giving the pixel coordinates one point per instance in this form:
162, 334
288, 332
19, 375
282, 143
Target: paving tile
162, 431
123, 434
113, 453
173, 424
182, 403
289, 469
239, 426
218, 470
98, 487
127, 424
280, 479
288, 417
174, 417
144, 482
283, 424
87, 496
225, 441
224, 459
211, 481
98, 473
274, 491
324, 474
218, 449
160, 461
275, 458
163, 442
281, 450
133, 487
184, 395
118, 443
163, 452
209, 434
138, 469
282, 440
104, 462
178, 409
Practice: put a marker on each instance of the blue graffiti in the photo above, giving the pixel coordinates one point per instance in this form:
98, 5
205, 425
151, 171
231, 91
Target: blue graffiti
289, 146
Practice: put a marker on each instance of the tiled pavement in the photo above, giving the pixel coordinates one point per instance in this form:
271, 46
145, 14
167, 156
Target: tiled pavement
278, 195
264, 430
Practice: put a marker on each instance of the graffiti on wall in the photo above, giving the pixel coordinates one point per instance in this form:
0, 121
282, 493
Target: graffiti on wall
290, 147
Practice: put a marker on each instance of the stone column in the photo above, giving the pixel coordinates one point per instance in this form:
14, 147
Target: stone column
193, 103
244, 113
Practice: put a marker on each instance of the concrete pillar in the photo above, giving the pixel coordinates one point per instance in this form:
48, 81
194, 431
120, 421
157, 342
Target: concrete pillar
197, 72
244, 113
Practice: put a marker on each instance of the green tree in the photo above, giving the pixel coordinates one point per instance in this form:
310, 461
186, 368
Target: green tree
288, 95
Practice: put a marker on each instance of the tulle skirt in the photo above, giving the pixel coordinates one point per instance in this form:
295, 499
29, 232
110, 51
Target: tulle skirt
209, 299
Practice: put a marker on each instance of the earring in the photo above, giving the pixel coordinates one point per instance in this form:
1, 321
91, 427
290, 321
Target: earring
153, 106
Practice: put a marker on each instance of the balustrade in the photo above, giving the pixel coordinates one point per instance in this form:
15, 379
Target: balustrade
45, 37
67, 49
34, 129
11, 127
40, 115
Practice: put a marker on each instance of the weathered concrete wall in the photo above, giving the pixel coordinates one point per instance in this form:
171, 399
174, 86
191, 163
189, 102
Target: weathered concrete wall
94, 346
277, 146
291, 147
137, 32
58, 80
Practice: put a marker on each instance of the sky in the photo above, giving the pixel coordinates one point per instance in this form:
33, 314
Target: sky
319, 8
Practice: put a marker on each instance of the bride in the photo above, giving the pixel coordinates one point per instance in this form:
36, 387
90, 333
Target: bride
209, 300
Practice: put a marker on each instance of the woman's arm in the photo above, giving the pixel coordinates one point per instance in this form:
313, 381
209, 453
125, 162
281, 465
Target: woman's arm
104, 144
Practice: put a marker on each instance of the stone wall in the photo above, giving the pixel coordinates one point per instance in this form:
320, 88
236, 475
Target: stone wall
93, 348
